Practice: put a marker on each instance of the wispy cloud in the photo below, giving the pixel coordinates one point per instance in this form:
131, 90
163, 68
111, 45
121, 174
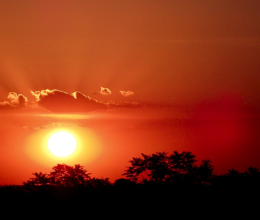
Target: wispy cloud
15, 101
44, 127
5, 105
126, 93
124, 104
105, 91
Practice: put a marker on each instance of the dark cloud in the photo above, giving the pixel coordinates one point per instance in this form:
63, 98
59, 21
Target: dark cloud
105, 91
62, 102
126, 93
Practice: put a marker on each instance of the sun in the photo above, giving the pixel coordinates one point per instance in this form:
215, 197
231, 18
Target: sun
62, 144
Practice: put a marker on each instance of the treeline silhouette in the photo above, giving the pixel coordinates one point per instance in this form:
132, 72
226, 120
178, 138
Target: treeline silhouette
157, 180
159, 169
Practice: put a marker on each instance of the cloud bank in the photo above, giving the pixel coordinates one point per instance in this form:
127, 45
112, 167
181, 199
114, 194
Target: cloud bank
62, 102
58, 101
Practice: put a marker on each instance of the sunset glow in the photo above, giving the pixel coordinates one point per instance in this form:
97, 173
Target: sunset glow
96, 83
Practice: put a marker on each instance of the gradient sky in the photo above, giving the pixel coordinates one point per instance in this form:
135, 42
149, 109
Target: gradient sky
128, 77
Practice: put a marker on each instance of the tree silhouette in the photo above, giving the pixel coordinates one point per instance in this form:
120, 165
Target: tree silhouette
63, 175
204, 173
178, 168
99, 183
253, 171
40, 179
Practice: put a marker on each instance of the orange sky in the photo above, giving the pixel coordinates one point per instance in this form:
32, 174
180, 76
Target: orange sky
178, 75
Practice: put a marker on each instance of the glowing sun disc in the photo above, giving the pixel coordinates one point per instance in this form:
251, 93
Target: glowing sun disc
62, 144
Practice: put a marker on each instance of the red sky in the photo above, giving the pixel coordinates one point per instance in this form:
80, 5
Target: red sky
128, 77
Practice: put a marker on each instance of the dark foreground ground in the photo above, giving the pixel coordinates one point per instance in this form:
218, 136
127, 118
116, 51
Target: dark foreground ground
130, 202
